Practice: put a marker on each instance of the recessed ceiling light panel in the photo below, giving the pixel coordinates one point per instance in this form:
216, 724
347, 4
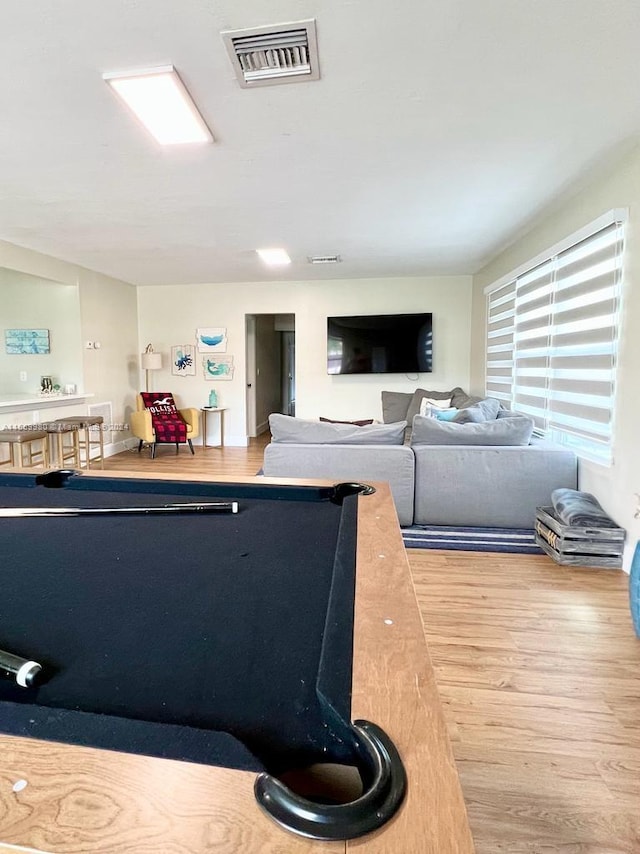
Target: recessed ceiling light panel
274, 257
159, 98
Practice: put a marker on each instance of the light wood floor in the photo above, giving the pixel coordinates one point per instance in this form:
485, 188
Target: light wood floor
539, 672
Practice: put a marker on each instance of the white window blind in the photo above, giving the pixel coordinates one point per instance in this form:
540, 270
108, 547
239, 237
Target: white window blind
552, 337
501, 312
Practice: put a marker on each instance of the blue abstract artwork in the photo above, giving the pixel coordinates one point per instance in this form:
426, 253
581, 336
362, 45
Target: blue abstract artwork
212, 339
26, 341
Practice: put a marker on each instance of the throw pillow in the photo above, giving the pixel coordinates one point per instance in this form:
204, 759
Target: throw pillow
504, 431
419, 393
297, 431
395, 405
429, 403
445, 414
159, 402
510, 413
483, 410
461, 399
362, 423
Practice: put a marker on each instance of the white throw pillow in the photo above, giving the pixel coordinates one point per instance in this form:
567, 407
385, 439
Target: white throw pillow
427, 403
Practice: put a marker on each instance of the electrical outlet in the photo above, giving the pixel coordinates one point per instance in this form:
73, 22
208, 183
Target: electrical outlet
36, 416
23, 376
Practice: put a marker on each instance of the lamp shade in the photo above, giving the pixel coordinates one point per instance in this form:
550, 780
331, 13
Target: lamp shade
151, 361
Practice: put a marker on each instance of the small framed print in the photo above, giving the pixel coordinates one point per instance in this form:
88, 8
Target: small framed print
218, 367
183, 360
212, 339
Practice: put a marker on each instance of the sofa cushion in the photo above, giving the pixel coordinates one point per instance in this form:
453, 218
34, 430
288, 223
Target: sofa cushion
348, 463
505, 431
460, 399
488, 487
483, 410
285, 428
395, 405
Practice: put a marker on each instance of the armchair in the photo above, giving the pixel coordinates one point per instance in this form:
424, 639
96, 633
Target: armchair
142, 422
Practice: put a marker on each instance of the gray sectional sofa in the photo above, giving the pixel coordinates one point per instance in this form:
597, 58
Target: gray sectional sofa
481, 473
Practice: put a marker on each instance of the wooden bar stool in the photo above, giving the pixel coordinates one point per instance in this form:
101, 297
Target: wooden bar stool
20, 441
84, 424
58, 431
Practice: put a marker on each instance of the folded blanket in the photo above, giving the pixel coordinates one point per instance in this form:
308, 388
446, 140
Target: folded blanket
579, 509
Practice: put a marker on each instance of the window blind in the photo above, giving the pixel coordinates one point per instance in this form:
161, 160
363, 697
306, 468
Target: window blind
500, 342
552, 337
582, 356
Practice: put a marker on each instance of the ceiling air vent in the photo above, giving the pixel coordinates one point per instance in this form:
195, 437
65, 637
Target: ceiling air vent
283, 53
324, 259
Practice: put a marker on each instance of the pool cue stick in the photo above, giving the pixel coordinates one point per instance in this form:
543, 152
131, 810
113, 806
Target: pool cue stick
203, 507
24, 671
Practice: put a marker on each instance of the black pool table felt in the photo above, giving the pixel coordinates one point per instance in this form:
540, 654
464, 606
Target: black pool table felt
199, 638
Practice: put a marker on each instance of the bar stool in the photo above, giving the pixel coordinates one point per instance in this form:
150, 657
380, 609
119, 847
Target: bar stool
58, 431
21, 440
84, 424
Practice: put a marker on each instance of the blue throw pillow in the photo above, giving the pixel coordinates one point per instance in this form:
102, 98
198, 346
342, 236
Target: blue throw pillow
445, 414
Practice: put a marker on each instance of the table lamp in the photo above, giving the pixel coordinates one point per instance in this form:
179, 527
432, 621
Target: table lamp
150, 361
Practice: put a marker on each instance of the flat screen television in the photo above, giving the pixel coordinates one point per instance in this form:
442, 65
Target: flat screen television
380, 344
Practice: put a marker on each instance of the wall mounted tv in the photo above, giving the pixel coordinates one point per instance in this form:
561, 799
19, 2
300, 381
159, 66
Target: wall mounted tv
380, 344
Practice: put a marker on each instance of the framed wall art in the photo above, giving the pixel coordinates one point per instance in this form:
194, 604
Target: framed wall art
20, 342
218, 367
212, 339
183, 360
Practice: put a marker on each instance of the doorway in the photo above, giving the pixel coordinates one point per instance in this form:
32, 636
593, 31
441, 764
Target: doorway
271, 376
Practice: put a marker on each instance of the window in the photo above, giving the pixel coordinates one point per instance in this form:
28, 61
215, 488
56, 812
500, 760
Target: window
552, 335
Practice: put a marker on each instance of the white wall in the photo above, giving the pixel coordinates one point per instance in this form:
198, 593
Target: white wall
31, 302
618, 187
108, 314
169, 315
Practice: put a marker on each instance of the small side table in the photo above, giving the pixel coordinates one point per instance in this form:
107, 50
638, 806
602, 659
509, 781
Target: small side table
211, 410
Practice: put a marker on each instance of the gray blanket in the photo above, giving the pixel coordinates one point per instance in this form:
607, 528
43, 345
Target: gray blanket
581, 509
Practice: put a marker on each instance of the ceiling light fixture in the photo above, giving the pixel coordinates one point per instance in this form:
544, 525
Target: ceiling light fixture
159, 98
274, 257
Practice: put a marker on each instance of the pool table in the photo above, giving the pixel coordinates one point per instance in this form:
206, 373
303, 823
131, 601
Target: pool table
196, 663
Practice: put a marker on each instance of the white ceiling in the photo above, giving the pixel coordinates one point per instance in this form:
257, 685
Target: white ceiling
438, 130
